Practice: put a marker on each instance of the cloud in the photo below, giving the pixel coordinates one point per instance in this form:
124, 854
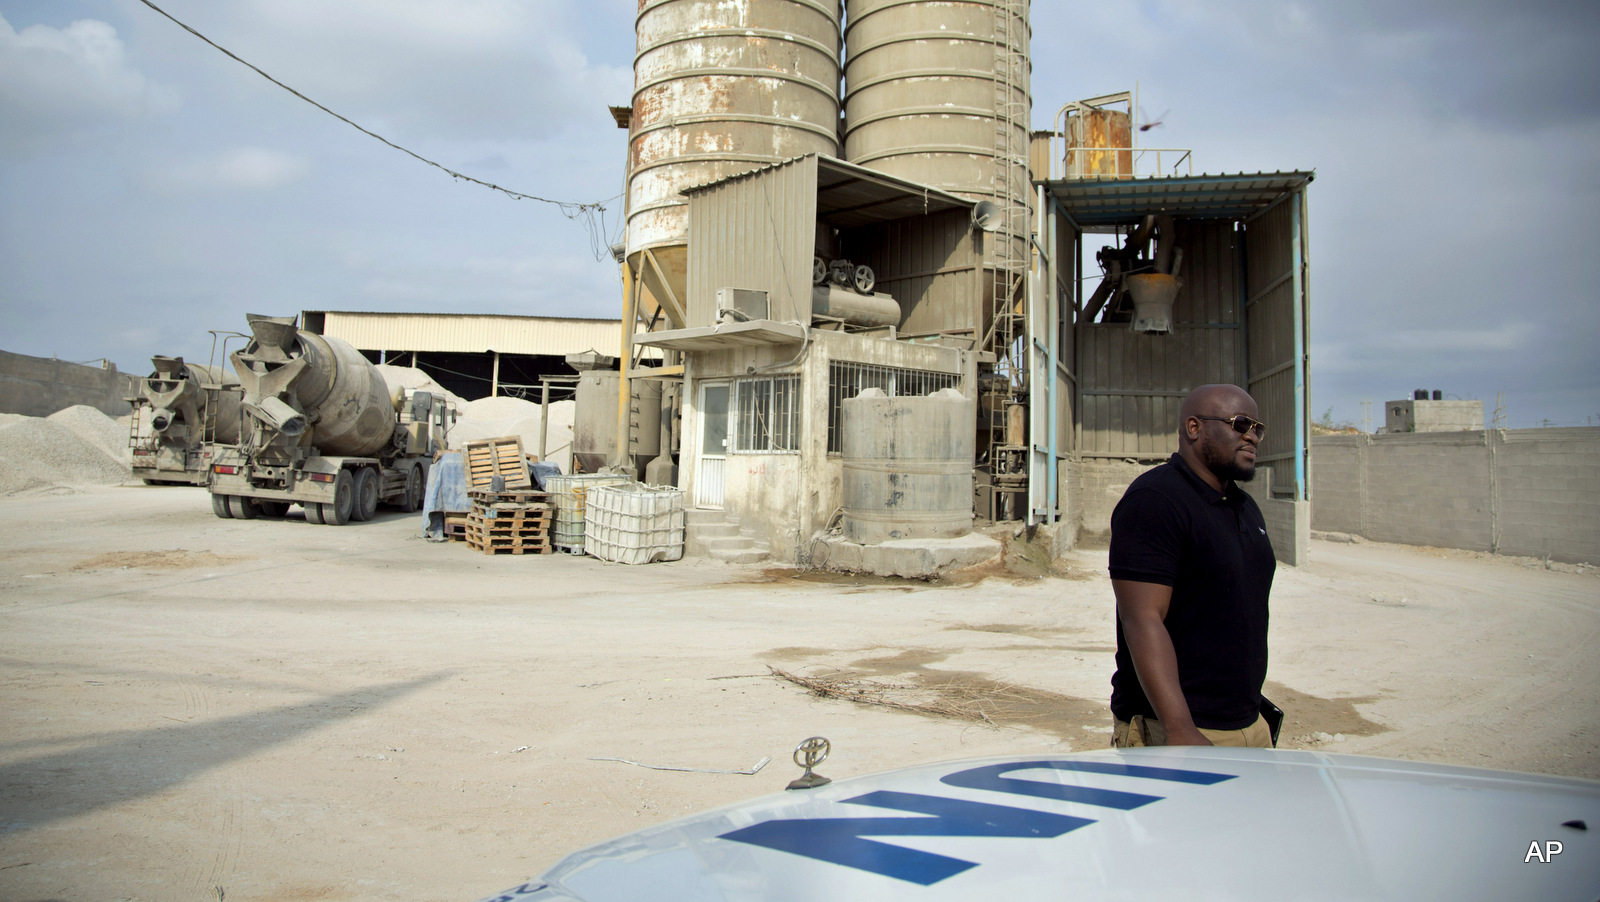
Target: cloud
471, 70
240, 169
58, 81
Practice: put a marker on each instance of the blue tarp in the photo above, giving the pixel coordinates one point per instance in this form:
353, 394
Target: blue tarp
541, 470
447, 491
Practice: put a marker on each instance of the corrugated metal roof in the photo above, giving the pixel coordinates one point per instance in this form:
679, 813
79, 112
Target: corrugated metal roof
849, 195
470, 333
1118, 201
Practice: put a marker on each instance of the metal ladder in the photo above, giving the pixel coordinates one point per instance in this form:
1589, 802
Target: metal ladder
1007, 461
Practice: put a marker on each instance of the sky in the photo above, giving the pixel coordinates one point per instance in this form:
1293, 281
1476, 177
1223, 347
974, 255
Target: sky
152, 189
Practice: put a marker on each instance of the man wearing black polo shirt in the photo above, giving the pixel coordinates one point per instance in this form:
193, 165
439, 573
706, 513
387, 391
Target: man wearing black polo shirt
1191, 567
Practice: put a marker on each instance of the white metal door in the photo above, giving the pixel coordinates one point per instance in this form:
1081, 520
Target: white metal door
709, 479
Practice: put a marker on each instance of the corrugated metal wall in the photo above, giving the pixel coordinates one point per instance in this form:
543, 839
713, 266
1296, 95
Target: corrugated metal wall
1270, 323
757, 231
926, 264
1133, 383
1066, 278
471, 334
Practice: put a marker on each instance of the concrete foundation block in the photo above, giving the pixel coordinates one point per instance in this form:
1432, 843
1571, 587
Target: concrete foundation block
911, 558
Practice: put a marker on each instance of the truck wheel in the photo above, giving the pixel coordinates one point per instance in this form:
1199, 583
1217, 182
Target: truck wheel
412, 502
366, 500
243, 508
219, 506
313, 513
337, 512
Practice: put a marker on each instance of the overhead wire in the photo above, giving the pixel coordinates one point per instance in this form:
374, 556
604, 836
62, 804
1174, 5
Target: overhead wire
571, 209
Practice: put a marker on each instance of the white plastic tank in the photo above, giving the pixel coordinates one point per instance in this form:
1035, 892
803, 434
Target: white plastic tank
570, 496
634, 524
907, 466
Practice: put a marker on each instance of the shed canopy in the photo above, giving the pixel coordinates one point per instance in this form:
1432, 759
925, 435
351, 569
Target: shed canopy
849, 195
472, 333
1108, 202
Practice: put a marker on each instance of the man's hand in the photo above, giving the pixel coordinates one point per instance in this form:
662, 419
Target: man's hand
1142, 608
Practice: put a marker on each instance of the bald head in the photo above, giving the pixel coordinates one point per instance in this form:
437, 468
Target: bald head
1212, 448
1216, 400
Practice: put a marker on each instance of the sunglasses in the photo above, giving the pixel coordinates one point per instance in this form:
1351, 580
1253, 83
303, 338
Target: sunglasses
1241, 424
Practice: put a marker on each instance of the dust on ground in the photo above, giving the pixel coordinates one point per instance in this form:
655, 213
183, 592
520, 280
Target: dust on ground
159, 560
371, 716
907, 680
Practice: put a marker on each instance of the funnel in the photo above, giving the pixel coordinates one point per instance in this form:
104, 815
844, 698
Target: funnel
274, 336
1152, 300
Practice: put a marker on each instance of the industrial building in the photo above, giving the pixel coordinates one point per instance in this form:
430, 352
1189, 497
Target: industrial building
472, 355
791, 244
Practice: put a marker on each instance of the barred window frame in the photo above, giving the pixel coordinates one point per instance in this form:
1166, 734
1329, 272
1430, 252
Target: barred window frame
764, 415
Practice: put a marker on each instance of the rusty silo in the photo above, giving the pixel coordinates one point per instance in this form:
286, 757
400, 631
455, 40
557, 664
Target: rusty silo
936, 91
721, 87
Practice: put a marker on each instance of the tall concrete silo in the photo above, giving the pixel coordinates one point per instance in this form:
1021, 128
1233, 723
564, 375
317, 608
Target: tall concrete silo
721, 87
936, 91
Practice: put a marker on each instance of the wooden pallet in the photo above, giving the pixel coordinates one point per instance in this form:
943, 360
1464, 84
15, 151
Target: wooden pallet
455, 526
483, 499
510, 532
493, 457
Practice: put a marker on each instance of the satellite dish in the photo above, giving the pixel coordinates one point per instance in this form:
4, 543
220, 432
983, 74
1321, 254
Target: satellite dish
986, 216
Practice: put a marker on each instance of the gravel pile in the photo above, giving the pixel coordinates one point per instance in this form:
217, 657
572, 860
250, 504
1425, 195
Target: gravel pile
61, 453
498, 417
89, 424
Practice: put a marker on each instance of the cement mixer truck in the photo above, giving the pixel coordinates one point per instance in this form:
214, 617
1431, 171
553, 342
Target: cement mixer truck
322, 429
180, 411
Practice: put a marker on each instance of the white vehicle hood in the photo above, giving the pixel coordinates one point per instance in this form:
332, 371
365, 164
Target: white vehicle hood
1156, 823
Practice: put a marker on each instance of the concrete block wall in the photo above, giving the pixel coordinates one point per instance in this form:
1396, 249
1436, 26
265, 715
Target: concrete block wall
40, 386
1547, 486
1525, 491
1101, 482
1430, 489
1288, 521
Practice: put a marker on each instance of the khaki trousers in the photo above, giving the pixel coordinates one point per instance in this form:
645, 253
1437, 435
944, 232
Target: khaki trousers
1149, 731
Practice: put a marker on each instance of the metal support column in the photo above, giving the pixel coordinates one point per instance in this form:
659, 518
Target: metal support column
1053, 321
624, 357
1297, 274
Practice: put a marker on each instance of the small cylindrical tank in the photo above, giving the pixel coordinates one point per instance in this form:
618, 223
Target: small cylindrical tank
1099, 143
907, 466
854, 307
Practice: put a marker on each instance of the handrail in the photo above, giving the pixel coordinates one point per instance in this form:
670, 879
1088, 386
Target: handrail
1146, 162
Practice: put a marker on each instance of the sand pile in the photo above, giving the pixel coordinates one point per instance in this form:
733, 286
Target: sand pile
497, 417
411, 377
69, 449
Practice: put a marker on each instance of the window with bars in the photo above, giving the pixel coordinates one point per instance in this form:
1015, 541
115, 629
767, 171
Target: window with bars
846, 380
766, 415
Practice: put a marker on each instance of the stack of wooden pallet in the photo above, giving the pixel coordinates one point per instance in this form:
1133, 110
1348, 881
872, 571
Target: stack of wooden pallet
510, 522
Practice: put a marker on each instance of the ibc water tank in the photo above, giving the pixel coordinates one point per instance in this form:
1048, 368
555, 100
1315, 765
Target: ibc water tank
907, 466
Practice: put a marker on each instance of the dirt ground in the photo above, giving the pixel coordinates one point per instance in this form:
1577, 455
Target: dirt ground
204, 709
